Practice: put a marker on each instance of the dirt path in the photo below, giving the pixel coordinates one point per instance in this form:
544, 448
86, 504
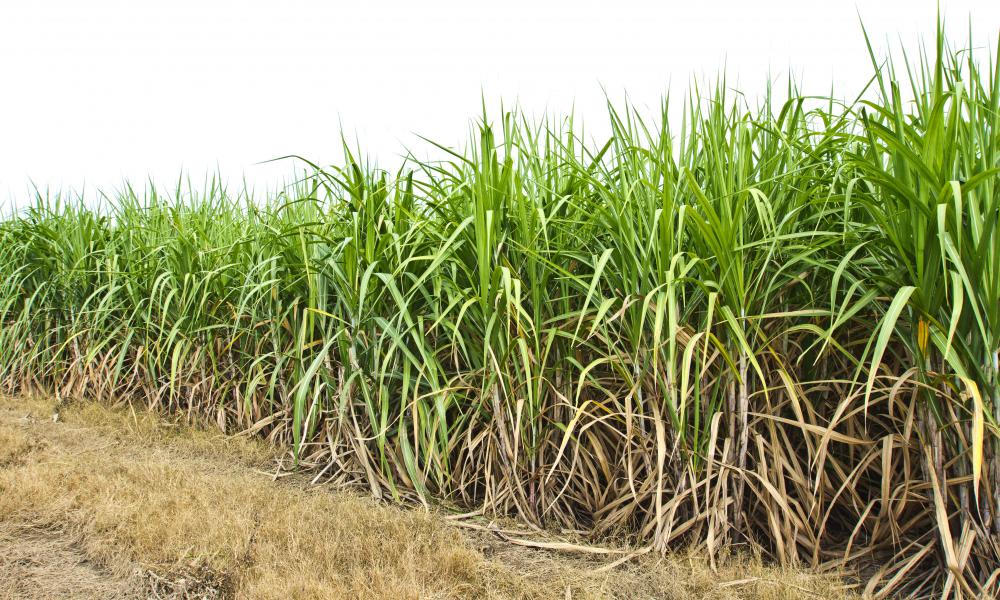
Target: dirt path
42, 564
98, 503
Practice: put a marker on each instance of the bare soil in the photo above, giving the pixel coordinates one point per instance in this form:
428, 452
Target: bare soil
44, 564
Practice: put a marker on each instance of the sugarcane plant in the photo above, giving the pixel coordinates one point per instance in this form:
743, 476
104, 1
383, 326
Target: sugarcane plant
772, 327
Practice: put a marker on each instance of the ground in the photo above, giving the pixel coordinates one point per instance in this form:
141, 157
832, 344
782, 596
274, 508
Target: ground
99, 502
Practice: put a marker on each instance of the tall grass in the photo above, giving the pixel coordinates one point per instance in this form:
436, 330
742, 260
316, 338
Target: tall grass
776, 326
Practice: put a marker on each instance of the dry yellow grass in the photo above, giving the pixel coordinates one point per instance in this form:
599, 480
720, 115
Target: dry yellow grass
112, 503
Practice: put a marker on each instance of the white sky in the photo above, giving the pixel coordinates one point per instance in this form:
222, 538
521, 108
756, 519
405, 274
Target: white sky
95, 92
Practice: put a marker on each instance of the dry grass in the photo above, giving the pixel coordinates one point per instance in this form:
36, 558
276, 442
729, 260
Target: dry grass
94, 497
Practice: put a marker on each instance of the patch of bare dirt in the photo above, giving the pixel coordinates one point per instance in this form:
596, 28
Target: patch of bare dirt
43, 564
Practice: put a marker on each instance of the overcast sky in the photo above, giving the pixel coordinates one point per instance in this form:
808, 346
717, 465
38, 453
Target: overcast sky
95, 92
